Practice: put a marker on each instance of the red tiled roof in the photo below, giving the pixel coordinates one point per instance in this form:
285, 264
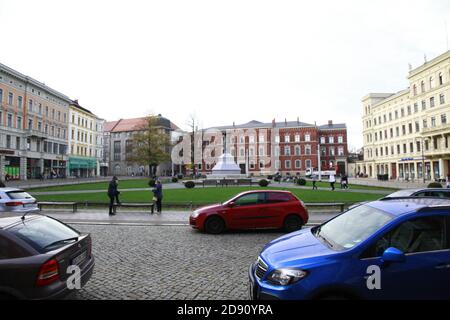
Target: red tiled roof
125, 125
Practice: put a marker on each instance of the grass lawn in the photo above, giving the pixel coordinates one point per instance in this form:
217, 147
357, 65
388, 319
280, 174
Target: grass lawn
123, 184
212, 195
142, 183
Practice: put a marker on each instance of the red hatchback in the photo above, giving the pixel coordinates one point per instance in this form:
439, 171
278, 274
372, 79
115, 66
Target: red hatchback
252, 210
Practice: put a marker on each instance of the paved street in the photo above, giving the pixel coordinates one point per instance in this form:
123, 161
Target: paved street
170, 262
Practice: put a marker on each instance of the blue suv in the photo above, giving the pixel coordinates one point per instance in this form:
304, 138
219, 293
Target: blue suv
387, 249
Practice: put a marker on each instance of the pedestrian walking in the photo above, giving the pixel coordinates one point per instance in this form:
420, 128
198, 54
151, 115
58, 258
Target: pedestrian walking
158, 195
332, 180
314, 180
113, 194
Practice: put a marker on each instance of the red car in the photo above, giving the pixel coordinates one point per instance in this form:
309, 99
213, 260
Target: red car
251, 210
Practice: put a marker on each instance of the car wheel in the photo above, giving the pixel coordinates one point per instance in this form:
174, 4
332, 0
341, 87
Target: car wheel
292, 223
214, 225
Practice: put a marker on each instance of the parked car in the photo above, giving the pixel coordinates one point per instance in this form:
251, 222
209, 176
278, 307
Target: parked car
250, 210
35, 253
17, 200
438, 193
406, 240
422, 192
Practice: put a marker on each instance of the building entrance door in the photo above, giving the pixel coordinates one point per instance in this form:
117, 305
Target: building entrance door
393, 171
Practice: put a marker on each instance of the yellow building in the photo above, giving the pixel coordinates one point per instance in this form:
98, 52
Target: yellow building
406, 134
85, 142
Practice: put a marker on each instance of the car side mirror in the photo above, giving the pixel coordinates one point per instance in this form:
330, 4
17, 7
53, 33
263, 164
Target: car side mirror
393, 255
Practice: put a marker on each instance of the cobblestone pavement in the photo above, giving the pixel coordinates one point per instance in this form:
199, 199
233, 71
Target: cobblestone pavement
170, 262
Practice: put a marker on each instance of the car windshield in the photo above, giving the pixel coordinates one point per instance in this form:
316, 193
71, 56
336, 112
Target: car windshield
42, 233
18, 195
352, 227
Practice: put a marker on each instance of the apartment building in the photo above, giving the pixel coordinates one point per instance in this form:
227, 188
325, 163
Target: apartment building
33, 127
288, 147
118, 146
406, 134
85, 142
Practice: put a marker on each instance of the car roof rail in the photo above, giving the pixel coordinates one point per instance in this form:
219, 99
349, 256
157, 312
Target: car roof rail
436, 207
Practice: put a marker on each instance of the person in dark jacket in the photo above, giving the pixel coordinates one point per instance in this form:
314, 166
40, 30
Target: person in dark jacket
113, 193
158, 195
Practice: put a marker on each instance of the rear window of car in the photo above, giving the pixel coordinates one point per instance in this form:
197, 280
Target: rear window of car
275, 197
42, 232
18, 195
10, 250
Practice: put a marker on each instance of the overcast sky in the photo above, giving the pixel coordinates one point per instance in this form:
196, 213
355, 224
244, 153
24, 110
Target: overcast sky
223, 61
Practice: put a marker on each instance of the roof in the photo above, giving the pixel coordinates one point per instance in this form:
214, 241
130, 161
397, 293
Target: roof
284, 124
135, 124
400, 207
77, 105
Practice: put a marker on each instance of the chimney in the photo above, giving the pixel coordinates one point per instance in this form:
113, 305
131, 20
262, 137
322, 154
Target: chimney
273, 123
285, 122
330, 123
233, 124
298, 120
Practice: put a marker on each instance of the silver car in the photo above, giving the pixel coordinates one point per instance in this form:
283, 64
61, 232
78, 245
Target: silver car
17, 200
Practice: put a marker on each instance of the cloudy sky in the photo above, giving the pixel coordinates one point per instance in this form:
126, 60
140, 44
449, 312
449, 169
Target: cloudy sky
223, 61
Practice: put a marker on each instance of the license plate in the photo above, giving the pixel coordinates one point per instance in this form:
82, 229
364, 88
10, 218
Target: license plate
29, 205
80, 258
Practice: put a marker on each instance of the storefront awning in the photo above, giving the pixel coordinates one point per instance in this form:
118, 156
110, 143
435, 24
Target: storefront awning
82, 163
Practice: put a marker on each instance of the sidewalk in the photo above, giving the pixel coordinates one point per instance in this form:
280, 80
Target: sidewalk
144, 218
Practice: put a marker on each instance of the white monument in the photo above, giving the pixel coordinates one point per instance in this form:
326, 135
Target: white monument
225, 168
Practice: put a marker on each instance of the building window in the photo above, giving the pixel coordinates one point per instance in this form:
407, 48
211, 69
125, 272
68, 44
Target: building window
8, 141
440, 78
18, 143
251, 139
277, 139
10, 98
415, 90
431, 81
30, 124
20, 102
340, 139
262, 164
298, 164
297, 138
410, 129
261, 151
287, 164
308, 149
1, 95
443, 118
340, 151
408, 110
251, 152
424, 105
441, 98
403, 129
322, 140
287, 138
9, 120
277, 164
297, 150
396, 114
277, 151
116, 150
307, 137
431, 102
402, 112
331, 139
418, 146
424, 123
332, 151
422, 87
287, 151
30, 105
417, 126
416, 107
308, 163
40, 108
411, 147
433, 121
241, 152
19, 122
261, 138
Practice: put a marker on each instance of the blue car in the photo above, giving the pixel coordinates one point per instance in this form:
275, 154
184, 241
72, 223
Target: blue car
387, 249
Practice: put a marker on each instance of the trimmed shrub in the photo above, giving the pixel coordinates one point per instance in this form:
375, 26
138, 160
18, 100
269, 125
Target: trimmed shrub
174, 179
189, 184
151, 183
434, 185
270, 177
301, 182
263, 183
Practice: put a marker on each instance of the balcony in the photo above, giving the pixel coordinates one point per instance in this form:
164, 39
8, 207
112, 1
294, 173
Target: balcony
440, 129
31, 133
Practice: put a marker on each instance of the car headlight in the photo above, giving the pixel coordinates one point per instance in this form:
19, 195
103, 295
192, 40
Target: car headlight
284, 277
195, 214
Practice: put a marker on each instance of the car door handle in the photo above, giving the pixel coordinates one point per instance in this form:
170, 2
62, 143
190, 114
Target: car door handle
443, 266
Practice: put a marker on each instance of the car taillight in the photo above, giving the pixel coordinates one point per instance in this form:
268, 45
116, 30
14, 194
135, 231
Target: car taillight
13, 204
48, 273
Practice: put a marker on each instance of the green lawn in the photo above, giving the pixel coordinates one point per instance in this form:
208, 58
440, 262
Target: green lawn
142, 183
123, 184
212, 195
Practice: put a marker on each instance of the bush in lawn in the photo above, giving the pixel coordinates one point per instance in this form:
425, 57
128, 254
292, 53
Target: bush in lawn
174, 179
151, 183
301, 182
189, 184
263, 183
270, 177
434, 185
